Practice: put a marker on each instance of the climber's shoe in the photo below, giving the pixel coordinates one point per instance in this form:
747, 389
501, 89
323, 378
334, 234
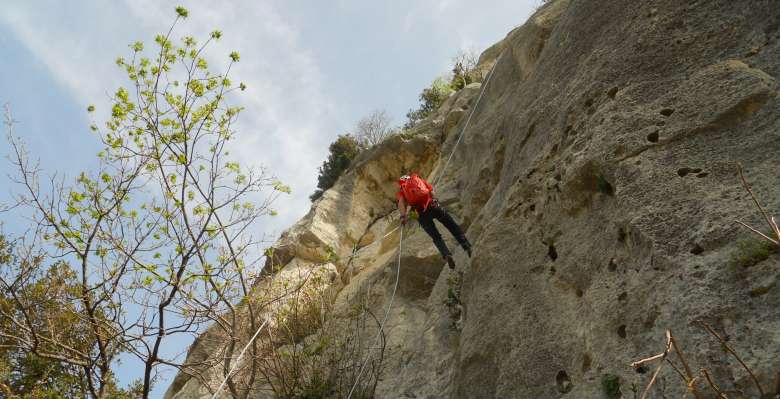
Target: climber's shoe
465, 244
450, 261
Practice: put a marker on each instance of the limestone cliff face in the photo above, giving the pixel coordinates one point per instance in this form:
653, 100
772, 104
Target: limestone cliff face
598, 183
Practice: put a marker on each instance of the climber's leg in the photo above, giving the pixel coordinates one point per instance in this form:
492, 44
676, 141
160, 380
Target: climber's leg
426, 222
441, 214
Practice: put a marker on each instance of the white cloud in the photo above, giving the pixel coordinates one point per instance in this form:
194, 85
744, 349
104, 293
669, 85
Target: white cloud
286, 110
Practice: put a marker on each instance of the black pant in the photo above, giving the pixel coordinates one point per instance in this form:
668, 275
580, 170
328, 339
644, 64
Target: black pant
437, 212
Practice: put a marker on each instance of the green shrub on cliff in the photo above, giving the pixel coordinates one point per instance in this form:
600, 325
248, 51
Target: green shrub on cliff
430, 99
463, 72
342, 151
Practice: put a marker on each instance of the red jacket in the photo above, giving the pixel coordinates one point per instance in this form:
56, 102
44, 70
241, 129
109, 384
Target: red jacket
419, 204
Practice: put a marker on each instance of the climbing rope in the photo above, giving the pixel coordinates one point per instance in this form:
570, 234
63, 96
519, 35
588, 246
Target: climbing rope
384, 320
455, 147
468, 120
400, 243
238, 360
398, 271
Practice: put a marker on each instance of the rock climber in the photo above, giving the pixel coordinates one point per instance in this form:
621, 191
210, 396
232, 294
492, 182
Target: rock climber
418, 194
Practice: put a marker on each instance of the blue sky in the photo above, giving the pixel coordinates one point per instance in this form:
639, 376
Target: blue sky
312, 68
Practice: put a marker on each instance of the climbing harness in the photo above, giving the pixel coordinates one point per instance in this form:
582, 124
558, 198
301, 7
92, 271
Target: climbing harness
398, 267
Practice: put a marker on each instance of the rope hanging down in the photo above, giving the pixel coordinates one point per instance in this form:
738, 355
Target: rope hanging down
384, 320
468, 120
398, 271
238, 359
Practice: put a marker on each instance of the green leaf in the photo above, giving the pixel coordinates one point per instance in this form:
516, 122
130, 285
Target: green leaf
235, 56
232, 166
278, 186
90, 108
122, 94
77, 197
182, 12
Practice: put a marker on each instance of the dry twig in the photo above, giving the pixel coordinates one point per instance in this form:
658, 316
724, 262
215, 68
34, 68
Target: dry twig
712, 384
661, 356
769, 219
690, 380
733, 353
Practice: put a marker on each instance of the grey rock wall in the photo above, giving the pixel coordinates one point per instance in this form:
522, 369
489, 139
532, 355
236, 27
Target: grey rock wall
598, 183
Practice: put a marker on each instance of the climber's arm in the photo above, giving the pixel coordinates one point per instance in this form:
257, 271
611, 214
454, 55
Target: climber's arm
402, 208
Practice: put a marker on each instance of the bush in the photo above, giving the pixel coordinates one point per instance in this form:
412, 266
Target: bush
463, 73
463, 70
342, 151
751, 252
327, 362
610, 385
430, 99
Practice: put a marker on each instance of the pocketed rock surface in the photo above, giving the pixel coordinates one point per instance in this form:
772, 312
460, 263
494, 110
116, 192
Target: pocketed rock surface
598, 183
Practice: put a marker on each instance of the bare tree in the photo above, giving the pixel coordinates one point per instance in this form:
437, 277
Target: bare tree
159, 235
373, 129
464, 71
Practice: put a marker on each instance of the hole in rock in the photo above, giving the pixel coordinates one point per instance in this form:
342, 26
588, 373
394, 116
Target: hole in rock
623, 296
702, 174
667, 112
563, 382
612, 265
641, 369
682, 172
552, 270
589, 102
552, 252
621, 235
652, 137
604, 186
612, 92
697, 249
621, 331
579, 293
661, 123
